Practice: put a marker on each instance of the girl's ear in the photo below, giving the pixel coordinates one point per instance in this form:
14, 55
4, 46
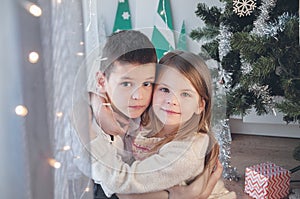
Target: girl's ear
201, 106
100, 78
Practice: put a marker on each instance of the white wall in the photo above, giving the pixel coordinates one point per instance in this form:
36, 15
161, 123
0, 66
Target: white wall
13, 183
143, 12
267, 125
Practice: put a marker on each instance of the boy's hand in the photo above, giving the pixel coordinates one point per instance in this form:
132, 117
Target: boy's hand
110, 122
194, 190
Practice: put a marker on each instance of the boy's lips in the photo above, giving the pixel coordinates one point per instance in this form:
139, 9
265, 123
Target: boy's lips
137, 106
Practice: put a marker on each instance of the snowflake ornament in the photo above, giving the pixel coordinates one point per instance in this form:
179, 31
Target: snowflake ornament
243, 7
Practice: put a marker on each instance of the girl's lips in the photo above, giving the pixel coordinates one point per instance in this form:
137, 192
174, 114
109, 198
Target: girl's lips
170, 111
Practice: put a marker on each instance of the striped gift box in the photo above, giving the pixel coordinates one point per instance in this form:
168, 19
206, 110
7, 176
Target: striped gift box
267, 181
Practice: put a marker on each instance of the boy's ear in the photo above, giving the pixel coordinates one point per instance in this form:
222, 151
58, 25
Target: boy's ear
100, 78
201, 106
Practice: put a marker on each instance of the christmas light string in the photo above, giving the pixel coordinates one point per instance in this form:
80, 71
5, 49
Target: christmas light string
57, 160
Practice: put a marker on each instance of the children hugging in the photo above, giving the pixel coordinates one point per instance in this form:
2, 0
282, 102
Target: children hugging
150, 124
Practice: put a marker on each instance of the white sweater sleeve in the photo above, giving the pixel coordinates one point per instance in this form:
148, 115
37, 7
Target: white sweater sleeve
176, 161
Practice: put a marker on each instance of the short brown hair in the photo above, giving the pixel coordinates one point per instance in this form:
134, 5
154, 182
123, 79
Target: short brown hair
127, 46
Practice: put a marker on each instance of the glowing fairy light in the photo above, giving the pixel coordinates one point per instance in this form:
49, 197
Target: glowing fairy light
33, 57
59, 114
87, 189
55, 164
80, 53
81, 43
21, 110
77, 157
35, 10
66, 148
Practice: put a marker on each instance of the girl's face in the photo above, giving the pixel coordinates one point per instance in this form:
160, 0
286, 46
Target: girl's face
175, 100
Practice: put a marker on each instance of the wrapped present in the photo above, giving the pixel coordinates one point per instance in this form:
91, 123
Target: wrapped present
267, 180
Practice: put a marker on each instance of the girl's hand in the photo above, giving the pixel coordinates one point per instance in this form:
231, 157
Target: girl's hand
198, 190
110, 122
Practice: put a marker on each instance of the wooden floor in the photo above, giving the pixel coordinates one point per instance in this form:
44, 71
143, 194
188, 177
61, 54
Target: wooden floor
247, 150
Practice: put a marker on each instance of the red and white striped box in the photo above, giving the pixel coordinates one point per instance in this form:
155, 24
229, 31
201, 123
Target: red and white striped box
267, 181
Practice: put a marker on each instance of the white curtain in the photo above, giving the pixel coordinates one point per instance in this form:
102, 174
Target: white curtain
37, 149
66, 84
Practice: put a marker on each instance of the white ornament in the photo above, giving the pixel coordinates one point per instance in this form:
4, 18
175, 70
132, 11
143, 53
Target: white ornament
243, 7
125, 15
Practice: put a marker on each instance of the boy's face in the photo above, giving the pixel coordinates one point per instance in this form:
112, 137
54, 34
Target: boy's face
129, 87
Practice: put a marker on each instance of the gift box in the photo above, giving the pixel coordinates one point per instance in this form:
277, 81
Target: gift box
267, 180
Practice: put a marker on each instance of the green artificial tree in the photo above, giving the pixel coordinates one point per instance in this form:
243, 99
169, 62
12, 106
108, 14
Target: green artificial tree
257, 46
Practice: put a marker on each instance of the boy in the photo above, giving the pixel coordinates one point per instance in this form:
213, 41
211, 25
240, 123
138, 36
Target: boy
127, 70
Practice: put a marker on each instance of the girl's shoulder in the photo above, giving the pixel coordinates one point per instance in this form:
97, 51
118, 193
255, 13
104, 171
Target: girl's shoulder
193, 139
200, 145
199, 140
196, 145
196, 137
201, 137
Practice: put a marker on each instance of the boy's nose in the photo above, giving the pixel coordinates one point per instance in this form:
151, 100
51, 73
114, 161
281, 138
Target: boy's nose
137, 94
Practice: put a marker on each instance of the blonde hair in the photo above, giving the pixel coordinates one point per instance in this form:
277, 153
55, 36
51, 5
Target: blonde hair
196, 71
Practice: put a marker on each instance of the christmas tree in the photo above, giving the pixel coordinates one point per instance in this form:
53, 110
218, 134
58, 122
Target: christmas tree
257, 46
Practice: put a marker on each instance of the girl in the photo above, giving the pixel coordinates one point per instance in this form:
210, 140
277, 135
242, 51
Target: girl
175, 143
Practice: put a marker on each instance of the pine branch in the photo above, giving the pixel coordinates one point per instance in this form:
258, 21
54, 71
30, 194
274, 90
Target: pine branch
291, 88
290, 108
212, 49
211, 16
284, 6
232, 64
260, 106
263, 67
236, 23
238, 102
250, 46
207, 32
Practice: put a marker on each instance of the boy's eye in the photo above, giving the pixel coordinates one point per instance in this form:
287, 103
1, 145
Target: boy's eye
186, 94
126, 84
165, 90
147, 84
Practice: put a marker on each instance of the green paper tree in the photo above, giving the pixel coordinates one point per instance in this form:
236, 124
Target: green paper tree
263, 57
123, 16
163, 35
181, 44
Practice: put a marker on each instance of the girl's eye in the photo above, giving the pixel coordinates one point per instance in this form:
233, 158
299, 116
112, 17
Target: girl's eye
165, 90
126, 84
186, 94
147, 84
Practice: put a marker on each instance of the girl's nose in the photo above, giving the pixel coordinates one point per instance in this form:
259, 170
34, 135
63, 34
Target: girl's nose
172, 100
